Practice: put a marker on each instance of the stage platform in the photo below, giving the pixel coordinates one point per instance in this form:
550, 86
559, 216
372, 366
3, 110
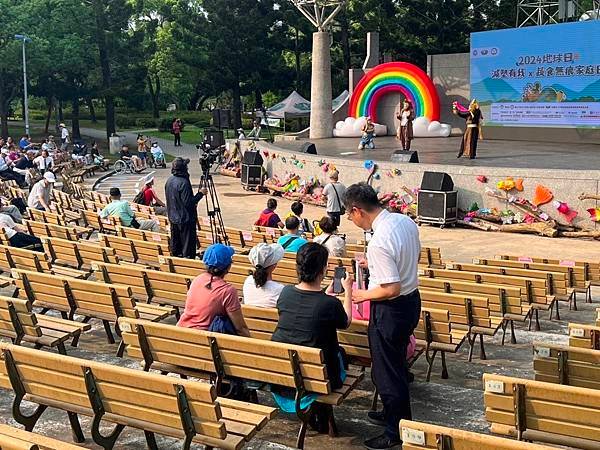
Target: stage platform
490, 153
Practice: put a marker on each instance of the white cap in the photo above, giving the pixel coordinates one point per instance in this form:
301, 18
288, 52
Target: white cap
266, 255
149, 179
62, 125
50, 177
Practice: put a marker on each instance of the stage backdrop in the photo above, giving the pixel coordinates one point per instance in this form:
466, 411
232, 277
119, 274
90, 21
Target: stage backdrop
546, 76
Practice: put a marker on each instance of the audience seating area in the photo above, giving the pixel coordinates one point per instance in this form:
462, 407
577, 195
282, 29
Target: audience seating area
126, 278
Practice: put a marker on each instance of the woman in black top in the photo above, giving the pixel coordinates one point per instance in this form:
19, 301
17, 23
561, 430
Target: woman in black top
310, 317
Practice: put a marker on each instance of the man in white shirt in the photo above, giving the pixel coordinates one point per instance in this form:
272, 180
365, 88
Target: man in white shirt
43, 162
392, 259
64, 137
17, 235
41, 192
334, 191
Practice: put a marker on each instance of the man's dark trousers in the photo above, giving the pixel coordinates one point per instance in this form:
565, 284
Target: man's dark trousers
184, 240
390, 326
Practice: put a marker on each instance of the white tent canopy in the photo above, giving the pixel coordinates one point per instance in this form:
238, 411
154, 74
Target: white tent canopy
293, 106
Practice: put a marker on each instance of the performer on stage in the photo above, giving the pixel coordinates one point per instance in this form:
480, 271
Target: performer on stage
473, 117
368, 134
405, 130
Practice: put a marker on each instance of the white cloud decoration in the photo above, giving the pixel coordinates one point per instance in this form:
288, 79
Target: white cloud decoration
422, 127
351, 127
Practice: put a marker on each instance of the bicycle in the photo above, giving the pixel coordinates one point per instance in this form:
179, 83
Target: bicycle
125, 166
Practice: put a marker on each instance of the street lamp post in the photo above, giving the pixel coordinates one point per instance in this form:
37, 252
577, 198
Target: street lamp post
24, 39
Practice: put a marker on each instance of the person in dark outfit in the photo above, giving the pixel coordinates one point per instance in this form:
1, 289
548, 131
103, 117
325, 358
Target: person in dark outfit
310, 317
182, 209
392, 260
473, 118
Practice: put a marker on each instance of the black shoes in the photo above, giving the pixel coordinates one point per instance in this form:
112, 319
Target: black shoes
377, 418
382, 442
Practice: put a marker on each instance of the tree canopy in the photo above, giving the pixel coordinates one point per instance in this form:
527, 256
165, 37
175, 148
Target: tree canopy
243, 54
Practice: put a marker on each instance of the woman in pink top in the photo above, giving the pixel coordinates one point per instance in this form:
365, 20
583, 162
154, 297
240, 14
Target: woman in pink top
210, 296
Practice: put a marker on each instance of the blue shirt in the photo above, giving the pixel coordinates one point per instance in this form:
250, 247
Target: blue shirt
23, 143
296, 242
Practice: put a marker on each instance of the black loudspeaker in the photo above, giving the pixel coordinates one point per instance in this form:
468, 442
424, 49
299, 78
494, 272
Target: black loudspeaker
405, 156
437, 181
308, 147
252, 158
221, 118
251, 175
214, 138
437, 207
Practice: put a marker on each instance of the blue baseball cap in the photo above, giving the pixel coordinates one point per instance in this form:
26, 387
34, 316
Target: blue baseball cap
218, 256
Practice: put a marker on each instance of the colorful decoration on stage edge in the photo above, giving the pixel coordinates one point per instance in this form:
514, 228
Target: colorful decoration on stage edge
482, 178
542, 195
508, 184
565, 210
401, 77
594, 214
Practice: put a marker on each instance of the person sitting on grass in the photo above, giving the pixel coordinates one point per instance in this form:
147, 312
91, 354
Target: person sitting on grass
269, 218
259, 287
292, 241
121, 209
334, 243
212, 303
310, 317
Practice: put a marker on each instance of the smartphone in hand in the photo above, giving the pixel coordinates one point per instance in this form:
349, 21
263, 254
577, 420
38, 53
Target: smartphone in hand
338, 275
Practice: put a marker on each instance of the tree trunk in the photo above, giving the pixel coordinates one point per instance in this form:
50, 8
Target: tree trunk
345, 41
109, 99
154, 94
50, 103
297, 56
237, 105
200, 103
60, 112
75, 120
258, 99
89, 101
3, 109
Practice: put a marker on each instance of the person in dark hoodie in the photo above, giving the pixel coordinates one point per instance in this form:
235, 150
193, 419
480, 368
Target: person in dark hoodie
182, 209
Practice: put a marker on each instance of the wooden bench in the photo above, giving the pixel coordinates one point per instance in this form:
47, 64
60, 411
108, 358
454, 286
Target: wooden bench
46, 217
21, 258
535, 289
149, 286
544, 412
598, 317
431, 257
421, 436
77, 254
182, 266
143, 235
508, 302
591, 269
556, 283
573, 366
20, 324
584, 336
154, 403
107, 224
71, 232
16, 439
270, 234
134, 251
469, 313
433, 334
197, 353
93, 300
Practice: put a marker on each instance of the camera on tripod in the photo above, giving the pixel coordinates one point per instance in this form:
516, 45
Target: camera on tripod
209, 156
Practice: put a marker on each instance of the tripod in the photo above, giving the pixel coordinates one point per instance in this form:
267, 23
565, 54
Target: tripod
213, 209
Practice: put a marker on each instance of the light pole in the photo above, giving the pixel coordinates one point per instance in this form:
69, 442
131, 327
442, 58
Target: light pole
24, 39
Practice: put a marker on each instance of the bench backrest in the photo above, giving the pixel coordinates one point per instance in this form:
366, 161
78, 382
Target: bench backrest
133, 250
72, 295
467, 310
502, 299
419, 435
183, 266
125, 393
584, 336
20, 258
561, 414
17, 439
143, 235
145, 283
107, 224
17, 319
431, 257
577, 275
46, 217
562, 364
78, 254
253, 359
592, 268
40, 229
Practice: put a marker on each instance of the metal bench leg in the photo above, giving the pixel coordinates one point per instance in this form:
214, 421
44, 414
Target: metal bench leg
513, 337
75, 341
573, 301
331, 425
374, 401
503, 326
557, 312
78, 435
150, 440
430, 360
301, 435
482, 354
471, 341
121, 349
61, 348
444, 367
109, 335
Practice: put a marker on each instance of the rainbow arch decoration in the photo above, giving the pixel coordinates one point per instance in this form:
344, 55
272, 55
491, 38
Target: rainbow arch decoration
401, 77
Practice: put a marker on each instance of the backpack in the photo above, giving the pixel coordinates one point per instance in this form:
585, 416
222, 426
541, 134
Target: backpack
263, 220
139, 198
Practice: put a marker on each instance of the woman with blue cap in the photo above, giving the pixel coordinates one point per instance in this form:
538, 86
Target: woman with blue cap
210, 297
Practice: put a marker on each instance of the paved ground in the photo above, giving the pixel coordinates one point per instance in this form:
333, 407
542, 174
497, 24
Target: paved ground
539, 155
457, 401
